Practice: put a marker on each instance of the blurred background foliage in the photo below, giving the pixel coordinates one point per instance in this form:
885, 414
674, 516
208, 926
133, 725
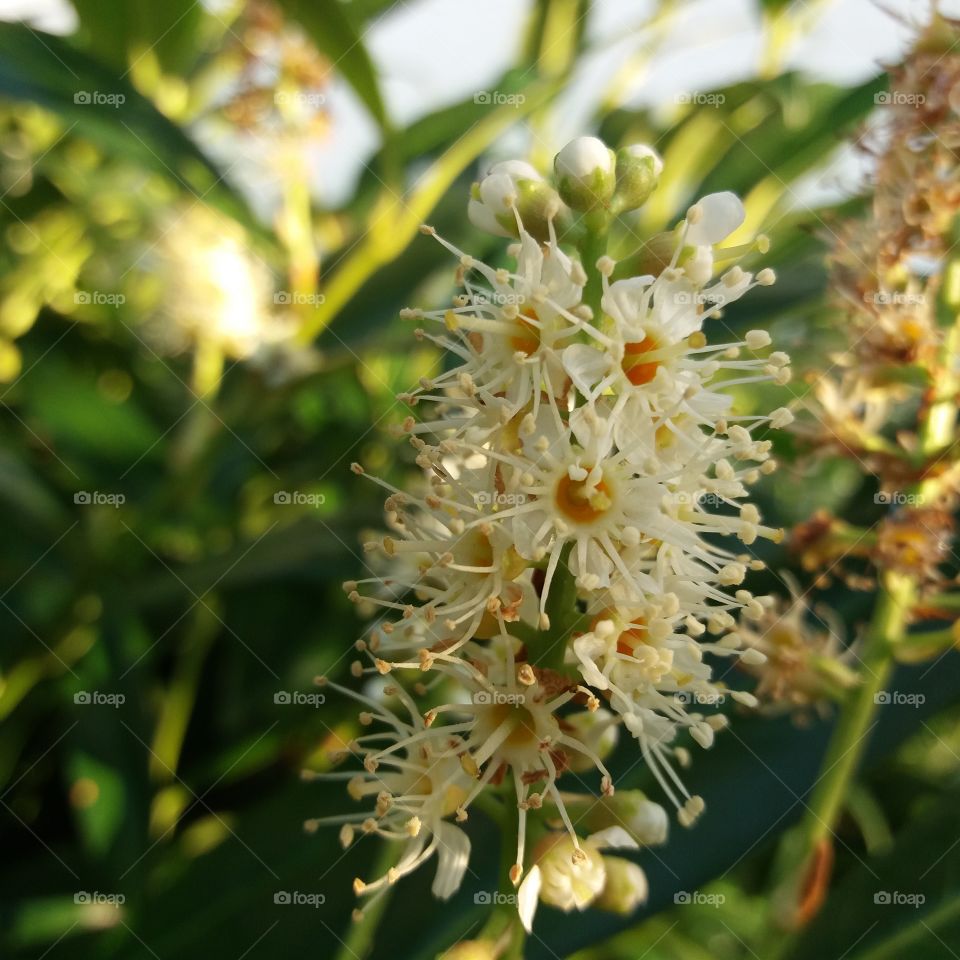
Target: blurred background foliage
190, 357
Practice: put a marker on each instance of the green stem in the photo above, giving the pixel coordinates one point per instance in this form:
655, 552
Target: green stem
503, 925
898, 593
902, 942
548, 647
856, 720
592, 248
360, 934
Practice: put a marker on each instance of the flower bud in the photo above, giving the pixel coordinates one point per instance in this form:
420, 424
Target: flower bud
572, 880
510, 188
597, 731
638, 171
585, 173
626, 887
647, 822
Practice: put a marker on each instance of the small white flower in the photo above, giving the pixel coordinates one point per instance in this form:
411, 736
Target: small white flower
569, 873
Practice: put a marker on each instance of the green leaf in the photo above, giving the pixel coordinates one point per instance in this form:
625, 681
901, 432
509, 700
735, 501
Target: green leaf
123, 33
75, 415
98, 102
334, 33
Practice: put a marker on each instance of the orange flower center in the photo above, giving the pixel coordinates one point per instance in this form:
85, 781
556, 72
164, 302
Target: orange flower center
580, 502
527, 337
636, 365
629, 640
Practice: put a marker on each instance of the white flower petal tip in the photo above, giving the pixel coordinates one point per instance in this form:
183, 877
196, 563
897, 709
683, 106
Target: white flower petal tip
528, 896
714, 218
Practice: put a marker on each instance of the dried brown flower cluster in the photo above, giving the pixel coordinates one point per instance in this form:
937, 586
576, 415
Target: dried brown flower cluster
890, 404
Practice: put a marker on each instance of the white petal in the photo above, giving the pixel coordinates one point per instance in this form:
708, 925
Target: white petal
516, 169
527, 896
721, 214
585, 365
623, 300
481, 216
587, 648
453, 853
613, 838
495, 192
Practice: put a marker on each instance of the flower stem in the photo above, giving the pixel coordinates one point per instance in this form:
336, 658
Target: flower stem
503, 925
361, 933
806, 853
592, 248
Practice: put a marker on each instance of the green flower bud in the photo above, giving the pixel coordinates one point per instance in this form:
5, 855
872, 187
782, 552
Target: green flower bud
638, 171
585, 173
626, 887
647, 822
596, 729
510, 188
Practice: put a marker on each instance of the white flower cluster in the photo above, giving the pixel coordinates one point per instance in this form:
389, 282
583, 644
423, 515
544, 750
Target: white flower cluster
567, 564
